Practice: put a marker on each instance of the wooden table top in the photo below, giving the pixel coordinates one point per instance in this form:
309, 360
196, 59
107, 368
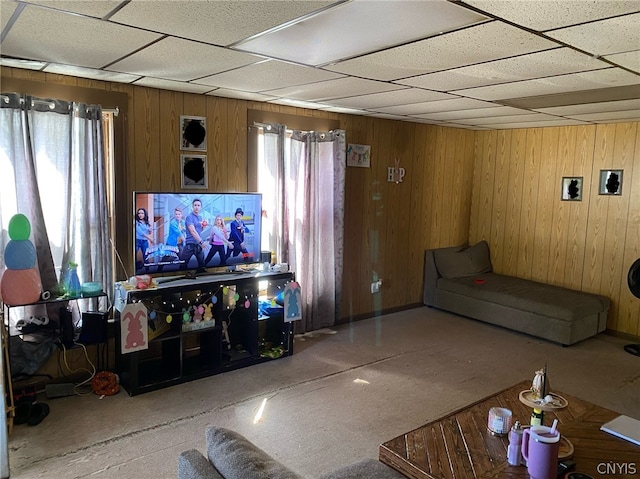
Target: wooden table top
459, 446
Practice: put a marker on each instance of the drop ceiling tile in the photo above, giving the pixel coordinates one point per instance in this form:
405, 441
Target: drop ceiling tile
478, 113
26, 64
466, 127
240, 95
52, 36
536, 124
94, 8
391, 98
480, 43
346, 111
90, 73
387, 116
350, 29
548, 14
6, 10
435, 106
629, 115
630, 60
339, 88
507, 119
217, 22
615, 35
298, 103
608, 106
524, 67
172, 85
610, 77
268, 75
182, 60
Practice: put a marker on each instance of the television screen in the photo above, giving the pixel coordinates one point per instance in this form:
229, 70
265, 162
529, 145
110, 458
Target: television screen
194, 231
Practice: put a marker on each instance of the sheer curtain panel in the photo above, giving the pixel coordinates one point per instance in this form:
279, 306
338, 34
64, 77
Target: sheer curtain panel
302, 176
53, 171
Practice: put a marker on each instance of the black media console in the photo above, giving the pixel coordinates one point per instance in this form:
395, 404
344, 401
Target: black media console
203, 326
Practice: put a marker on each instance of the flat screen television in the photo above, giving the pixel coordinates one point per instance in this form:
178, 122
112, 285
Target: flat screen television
189, 232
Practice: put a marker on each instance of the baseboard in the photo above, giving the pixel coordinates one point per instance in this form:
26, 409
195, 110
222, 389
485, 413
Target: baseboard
373, 314
618, 334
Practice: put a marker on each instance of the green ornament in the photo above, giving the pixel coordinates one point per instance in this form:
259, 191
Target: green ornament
19, 227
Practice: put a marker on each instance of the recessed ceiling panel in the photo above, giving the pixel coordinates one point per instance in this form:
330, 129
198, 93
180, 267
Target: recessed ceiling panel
340, 88
26, 64
608, 106
182, 60
172, 85
240, 95
507, 119
478, 113
90, 73
524, 67
268, 75
536, 124
391, 98
480, 43
435, 106
630, 60
49, 35
604, 37
610, 77
629, 115
94, 8
547, 14
6, 10
359, 26
217, 22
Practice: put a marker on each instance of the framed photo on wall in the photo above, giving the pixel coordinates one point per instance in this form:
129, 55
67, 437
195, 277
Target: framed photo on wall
193, 133
610, 182
572, 188
193, 171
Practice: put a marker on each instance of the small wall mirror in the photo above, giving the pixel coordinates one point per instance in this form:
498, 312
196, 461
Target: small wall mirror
572, 188
610, 182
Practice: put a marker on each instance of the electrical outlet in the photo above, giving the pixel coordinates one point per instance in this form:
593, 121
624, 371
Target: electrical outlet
375, 286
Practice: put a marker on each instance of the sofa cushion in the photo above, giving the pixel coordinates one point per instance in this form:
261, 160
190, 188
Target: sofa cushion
365, 469
235, 457
458, 263
193, 465
526, 295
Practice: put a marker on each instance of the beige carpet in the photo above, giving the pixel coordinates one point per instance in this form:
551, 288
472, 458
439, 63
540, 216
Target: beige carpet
341, 394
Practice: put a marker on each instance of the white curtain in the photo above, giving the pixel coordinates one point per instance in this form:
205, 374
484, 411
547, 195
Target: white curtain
304, 200
53, 171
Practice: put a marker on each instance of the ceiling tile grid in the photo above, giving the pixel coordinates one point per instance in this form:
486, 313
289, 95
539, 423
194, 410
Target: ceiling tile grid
474, 64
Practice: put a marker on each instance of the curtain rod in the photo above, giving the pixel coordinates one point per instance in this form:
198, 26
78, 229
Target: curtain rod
115, 111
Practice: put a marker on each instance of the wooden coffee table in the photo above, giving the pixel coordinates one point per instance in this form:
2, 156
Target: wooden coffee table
460, 446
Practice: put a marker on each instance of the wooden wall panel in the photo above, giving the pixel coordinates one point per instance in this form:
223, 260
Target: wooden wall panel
560, 221
584, 138
587, 245
545, 204
628, 318
500, 199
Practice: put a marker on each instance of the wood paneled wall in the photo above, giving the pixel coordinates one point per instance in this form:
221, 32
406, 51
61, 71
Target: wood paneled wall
460, 186
587, 245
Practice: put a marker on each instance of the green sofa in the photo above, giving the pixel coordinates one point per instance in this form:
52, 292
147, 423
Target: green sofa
461, 280
232, 456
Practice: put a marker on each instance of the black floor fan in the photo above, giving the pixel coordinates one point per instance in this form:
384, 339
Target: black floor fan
634, 287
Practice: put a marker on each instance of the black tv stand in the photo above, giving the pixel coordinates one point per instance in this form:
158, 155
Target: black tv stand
237, 332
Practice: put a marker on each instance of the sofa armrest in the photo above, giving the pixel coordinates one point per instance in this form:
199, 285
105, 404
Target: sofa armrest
235, 457
193, 465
